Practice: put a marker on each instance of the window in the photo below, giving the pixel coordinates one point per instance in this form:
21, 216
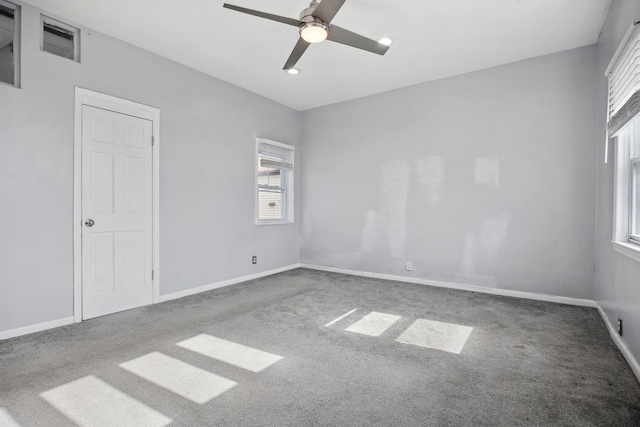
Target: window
9, 43
634, 185
624, 124
274, 199
626, 234
60, 39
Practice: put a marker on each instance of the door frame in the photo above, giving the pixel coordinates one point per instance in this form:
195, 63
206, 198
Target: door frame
122, 106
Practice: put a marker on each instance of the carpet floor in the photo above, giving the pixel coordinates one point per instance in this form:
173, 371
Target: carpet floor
310, 348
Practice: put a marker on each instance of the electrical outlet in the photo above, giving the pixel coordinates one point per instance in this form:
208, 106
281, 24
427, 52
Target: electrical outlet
620, 327
408, 266
254, 259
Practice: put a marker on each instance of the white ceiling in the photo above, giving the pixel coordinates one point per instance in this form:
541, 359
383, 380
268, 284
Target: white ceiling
433, 39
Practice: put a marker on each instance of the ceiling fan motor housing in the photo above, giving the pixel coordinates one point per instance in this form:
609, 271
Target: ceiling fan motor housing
306, 14
312, 24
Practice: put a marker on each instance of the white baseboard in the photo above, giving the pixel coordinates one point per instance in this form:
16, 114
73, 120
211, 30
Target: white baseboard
68, 320
35, 328
631, 360
224, 283
472, 288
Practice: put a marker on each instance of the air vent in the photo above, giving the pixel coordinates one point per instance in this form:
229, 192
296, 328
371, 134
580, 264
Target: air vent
60, 39
6, 12
9, 43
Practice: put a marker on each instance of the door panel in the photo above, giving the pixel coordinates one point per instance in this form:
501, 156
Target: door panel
102, 182
117, 196
134, 137
103, 267
134, 241
134, 170
102, 131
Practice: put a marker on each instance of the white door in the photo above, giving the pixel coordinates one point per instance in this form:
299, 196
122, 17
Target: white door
117, 217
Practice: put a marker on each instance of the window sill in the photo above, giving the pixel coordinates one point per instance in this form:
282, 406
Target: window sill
629, 249
274, 222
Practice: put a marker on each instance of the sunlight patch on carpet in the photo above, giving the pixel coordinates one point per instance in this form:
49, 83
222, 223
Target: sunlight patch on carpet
373, 324
6, 420
89, 401
437, 335
239, 355
181, 378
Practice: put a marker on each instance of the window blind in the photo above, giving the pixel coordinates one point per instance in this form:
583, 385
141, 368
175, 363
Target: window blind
624, 81
274, 156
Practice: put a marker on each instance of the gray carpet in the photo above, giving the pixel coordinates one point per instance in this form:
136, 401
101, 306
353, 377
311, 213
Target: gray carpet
524, 362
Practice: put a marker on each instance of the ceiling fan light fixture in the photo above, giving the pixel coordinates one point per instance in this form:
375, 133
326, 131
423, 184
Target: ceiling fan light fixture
314, 26
293, 71
314, 32
385, 41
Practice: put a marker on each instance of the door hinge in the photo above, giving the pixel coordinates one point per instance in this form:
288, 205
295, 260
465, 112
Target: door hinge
151, 274
153, 140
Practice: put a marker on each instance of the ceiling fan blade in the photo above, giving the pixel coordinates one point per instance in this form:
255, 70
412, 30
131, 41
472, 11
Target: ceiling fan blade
342, 36
327, 9
298, 50
277, 18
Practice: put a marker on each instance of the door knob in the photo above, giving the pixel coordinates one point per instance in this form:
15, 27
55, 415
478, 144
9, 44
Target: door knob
89, 223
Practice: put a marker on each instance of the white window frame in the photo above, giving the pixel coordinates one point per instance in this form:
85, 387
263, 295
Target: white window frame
623, 124
17, 41
287, 185
63, 26
624, 241
634, 165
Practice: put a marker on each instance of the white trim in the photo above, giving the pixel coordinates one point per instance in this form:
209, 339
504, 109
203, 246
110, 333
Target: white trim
620, 189
631, 360
622, 182
450, 285
224, 283
69, 320
276, 143
629, 249
629, 357
35, 328
607, 136
107, 102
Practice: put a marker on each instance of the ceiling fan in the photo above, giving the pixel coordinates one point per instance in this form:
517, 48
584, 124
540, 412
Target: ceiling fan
315, 26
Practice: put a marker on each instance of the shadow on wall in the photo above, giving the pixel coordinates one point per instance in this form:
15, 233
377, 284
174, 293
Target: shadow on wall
423, 210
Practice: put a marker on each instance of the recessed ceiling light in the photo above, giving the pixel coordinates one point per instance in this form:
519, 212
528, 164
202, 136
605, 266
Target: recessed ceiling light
293, 71
385, 41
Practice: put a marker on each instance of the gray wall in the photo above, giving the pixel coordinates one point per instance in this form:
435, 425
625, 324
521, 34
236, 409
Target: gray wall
206, 172
617, 281
483, 179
